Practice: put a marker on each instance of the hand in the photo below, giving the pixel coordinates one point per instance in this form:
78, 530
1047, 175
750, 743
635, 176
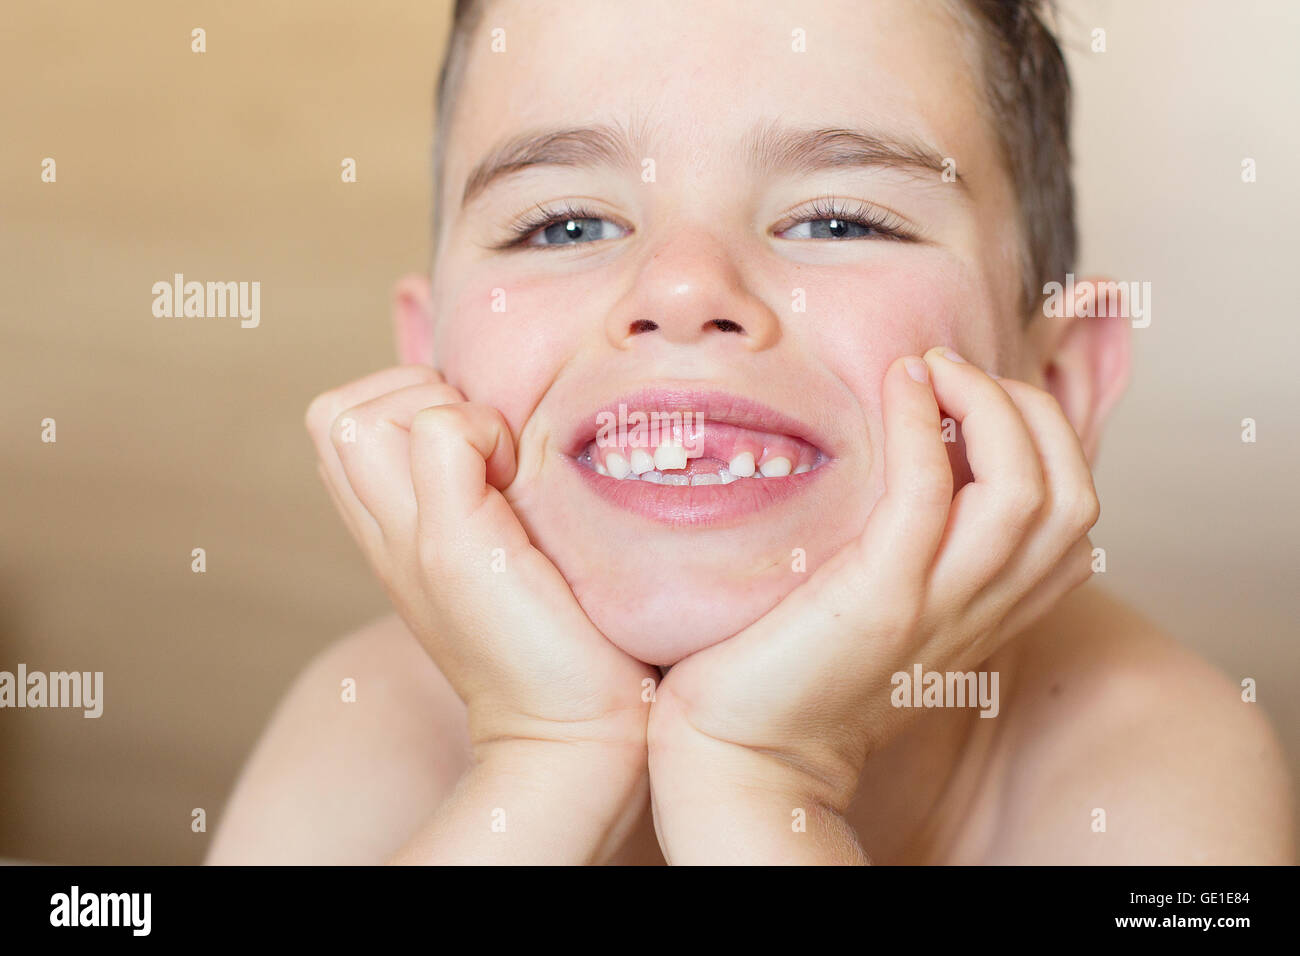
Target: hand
790, 708
419, 476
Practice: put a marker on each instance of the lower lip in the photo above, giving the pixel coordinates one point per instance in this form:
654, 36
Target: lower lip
697, 506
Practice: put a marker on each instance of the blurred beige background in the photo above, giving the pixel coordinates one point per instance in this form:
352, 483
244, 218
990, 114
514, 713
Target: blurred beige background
177, 434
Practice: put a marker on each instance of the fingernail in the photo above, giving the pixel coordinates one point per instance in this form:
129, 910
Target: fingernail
917, 369
952, 356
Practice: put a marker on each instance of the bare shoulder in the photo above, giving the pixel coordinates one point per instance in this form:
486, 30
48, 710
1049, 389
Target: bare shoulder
1112, 723
367, 741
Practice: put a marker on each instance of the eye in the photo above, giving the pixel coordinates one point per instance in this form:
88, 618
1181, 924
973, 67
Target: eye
828, 218
828, 229
563, 226
569, 231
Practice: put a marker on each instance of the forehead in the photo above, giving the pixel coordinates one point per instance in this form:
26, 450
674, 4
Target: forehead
694, 79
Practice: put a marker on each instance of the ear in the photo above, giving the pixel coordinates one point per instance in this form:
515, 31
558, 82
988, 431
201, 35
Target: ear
413, 320
1083, 354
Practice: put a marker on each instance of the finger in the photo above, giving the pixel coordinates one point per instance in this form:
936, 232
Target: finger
991, 515
461, 456
326, 408
1072, 504
355, 518
1071, 507
373, 444
907, 523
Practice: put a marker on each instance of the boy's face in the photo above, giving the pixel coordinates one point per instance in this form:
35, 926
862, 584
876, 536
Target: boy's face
706, 270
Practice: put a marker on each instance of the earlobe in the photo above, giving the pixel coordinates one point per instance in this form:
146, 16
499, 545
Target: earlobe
413, 320
1086, 359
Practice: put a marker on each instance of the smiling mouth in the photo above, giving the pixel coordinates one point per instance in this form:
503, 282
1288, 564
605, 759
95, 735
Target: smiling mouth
692, 457
685, 452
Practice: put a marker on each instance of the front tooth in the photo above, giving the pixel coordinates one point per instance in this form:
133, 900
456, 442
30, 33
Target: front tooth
725, 476
653, 477
670, 457
617, 465
641, 461
777, 467
675, 479
742, 466
706, 479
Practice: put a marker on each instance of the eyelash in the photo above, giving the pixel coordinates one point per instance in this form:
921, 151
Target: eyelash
522, 229
885, 224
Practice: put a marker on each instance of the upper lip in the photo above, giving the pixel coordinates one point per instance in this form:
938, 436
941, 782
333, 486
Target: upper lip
715, 405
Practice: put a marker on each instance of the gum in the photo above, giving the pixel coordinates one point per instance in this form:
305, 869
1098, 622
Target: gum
713, 442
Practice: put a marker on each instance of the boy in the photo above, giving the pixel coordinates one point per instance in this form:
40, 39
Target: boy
747, 416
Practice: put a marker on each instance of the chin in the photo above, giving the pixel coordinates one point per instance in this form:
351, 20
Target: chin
662, 598
680, 612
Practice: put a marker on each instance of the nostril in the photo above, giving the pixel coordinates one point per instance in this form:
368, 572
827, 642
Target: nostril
642, 325
726, 325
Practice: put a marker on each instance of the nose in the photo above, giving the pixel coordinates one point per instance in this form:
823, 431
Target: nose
690, 291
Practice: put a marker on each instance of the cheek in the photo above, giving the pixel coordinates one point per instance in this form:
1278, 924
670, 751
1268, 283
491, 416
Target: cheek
504, 344
908, 314
880, 316
877, 314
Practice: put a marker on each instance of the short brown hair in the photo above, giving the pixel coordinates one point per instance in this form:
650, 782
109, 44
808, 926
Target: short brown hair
1027, 92
464, 21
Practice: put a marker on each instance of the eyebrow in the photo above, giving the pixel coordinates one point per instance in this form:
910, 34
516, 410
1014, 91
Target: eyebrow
771, 148
578, 146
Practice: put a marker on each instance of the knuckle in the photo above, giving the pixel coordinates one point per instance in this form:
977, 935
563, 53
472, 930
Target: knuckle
341, 435
319, 413
435, 418
1026, 499
921, 422
1021, 506
911, 612
1076, 514
1043, 400
443, 394
1037, 398
1050, 403
425, 373
1014, 387
427, 551
1086, 511
930, 487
